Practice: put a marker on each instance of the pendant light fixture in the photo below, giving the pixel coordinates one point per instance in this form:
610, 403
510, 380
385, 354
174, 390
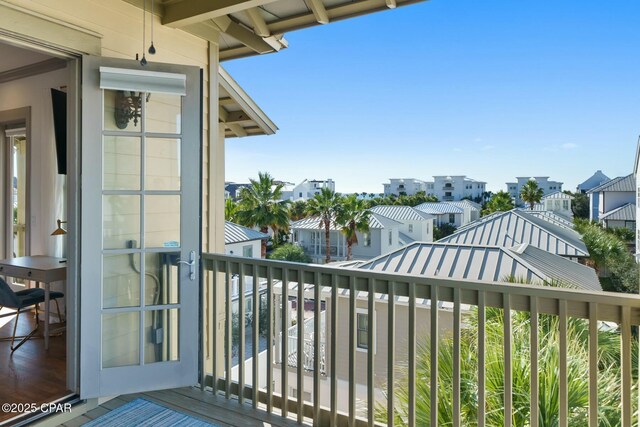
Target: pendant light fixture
152, 49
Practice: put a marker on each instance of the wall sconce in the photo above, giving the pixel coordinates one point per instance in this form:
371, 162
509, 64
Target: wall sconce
59, 231
128, 106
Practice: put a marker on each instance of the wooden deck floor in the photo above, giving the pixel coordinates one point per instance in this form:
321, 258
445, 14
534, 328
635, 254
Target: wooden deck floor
31, 374
198, 404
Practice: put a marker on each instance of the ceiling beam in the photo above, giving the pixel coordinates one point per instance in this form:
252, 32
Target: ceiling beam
237, 117
337, 13
319, 11
260, 27
237, 129
191, 11
227, 101
222, 114
243, 34
391, 4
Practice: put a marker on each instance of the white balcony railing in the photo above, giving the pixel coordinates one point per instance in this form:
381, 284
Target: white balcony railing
405, 344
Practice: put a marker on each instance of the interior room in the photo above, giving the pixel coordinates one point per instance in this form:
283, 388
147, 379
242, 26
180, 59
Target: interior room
33, 86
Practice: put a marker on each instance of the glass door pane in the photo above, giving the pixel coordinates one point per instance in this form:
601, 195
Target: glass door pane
141, 206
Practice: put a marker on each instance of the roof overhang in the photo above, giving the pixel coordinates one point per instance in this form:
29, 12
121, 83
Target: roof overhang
239, 113
249, 27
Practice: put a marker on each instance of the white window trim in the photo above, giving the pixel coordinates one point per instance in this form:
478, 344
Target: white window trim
372, 323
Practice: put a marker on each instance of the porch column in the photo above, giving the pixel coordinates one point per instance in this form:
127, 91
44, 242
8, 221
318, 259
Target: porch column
214, 326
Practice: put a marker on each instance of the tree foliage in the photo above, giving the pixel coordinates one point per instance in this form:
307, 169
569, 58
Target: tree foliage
403, 200
531, 193
290, 252
352, 217
325, 205
298, 210
443, 230
610, 256
548, 359
261, 205
230, 210
499, 202
579, 205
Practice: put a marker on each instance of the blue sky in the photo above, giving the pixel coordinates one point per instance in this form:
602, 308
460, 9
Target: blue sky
490, 89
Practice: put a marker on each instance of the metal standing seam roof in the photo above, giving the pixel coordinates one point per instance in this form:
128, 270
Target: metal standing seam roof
485, 263
376, 221
621, 183
557, 195
507, 229
551, 217
234, 233
623, 213
400, 213
439, 208
466, 204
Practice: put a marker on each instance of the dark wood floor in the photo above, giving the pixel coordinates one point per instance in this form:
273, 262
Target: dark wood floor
32, 374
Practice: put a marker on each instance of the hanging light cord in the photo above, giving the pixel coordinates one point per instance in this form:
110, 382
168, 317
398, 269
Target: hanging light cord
152, 49
143, 61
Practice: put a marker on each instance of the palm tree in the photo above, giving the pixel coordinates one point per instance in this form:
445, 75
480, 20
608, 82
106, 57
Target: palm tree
500, 202
353, 217
325, 205
531, 193
548, 358
261, 206
297, 210
230, 210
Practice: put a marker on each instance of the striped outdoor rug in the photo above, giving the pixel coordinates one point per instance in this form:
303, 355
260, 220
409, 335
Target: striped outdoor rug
141, 412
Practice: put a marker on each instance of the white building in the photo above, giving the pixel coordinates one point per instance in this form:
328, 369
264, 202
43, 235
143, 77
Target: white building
611, 195
457, 187
384, 236
595, 180
444, 213
558, 203
547, 186
307, 189
242, 241
404, 186
416, 225
445, 188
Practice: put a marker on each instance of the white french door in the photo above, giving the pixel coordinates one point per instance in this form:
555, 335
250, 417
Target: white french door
140, 227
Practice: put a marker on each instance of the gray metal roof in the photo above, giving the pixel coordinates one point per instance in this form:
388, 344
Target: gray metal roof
466, 204
623, 213
558, 195
400, 213
376, 221
405, 240
485, 263
439, 208
621, 183
550, 216
234, 233
515, 227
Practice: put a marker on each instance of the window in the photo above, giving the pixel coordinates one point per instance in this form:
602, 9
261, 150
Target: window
452, 218
367, 240
447, 194
362, 331
390, 238
565, 205
410, 228
247, 251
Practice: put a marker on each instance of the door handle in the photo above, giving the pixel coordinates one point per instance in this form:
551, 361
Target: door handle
192, 265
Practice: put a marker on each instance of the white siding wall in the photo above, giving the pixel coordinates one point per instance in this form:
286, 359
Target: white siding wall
238, 248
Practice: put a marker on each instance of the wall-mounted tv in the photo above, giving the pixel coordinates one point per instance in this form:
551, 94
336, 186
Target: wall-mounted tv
59, 104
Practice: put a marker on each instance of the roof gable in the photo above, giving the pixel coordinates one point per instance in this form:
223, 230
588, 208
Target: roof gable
234, 233
484, 263
621, 183
506, 229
